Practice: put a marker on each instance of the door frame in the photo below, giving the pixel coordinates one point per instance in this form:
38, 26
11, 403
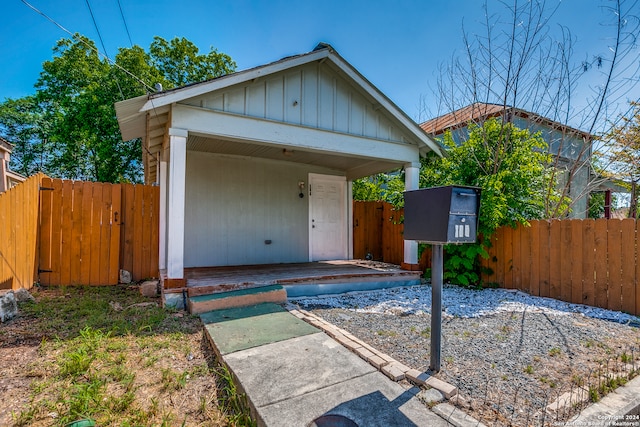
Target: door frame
347, 214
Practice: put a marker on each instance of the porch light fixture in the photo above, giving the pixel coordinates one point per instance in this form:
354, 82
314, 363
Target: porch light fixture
301, 187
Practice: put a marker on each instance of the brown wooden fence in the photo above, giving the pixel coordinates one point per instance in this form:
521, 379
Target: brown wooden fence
18, 234
593, 262
89, 231
378, 233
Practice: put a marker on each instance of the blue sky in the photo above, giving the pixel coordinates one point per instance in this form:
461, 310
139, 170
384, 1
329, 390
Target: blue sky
397, 45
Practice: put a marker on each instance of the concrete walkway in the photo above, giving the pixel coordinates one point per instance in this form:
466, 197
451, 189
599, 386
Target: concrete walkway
294, 375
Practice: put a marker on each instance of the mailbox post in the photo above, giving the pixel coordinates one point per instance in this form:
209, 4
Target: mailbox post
439, 216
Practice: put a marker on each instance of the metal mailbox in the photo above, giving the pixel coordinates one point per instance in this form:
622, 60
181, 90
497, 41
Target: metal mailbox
442, 215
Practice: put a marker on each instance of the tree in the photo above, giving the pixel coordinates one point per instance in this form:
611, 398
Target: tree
519, 62
510, 167
623, 154
68, 128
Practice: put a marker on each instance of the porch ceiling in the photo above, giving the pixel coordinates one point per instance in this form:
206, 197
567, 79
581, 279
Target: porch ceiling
355, 167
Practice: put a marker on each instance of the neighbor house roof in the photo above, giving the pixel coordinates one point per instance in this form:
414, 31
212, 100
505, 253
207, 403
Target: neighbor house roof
479, 111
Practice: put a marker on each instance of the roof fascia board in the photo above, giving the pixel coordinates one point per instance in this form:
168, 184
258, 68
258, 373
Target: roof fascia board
231, 79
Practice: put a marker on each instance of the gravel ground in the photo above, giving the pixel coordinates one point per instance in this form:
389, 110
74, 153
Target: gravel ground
509, 354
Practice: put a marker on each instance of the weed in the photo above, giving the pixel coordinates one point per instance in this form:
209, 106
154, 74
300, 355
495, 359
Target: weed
233, 404
577, 380
384, 333
173, 380
528, 369
625, 358
426, 333
594, 396
555, 351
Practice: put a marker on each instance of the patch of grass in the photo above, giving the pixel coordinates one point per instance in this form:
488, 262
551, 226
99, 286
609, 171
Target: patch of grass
577, 380
384, 333
555, 351
233, 403
528, 369
425, 333
625, 358
99, 362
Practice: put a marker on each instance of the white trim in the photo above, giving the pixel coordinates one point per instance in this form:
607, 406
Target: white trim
162, 236
176, 205
345, 222
232, 126
350, 219
411, 182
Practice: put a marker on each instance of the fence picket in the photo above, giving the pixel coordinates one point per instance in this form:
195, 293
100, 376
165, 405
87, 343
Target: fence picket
614, 254
555, 259
588, 263
566, 261
628, 261
534, 248
96, 233
600, 256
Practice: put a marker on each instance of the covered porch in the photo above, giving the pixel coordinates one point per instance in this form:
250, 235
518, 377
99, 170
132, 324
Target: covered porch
256, 169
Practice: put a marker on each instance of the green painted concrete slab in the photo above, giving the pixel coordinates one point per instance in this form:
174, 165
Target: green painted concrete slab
237, 293
241, 328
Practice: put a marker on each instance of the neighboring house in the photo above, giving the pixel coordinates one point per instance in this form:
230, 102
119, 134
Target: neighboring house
571, 148
8, 178
256, 167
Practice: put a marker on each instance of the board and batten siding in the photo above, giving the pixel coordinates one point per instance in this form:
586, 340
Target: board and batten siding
312, 95
234, 204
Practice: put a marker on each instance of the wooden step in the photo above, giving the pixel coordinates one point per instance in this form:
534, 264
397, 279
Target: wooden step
237, 298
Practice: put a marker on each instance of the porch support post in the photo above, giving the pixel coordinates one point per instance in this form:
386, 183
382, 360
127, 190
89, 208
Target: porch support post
162, 235
175, 211
411, 182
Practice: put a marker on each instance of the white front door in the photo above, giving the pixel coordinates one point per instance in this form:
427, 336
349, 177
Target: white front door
327, 217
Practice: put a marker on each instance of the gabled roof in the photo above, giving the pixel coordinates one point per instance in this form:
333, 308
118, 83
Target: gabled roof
479, 112
131, 113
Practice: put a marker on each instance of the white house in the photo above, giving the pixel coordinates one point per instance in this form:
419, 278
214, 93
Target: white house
8, 178
256, 167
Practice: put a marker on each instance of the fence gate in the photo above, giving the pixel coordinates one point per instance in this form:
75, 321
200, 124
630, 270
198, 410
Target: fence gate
79, 232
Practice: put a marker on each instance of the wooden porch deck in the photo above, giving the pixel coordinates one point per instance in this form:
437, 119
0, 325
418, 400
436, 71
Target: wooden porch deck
208, 280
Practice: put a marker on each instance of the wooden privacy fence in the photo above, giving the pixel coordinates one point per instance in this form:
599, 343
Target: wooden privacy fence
19, 234
593, 262
89, 231
378, 233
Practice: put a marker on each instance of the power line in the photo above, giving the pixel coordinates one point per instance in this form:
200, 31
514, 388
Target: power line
95, 24
93, 48
126, 27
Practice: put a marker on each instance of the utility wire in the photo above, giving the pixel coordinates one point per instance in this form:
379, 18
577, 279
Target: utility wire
95, 24
93, 48
104, 48
126, 27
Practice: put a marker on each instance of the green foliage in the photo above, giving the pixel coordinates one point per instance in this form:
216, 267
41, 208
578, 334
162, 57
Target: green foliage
381, 187
462, 264
68, 128
510, 166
